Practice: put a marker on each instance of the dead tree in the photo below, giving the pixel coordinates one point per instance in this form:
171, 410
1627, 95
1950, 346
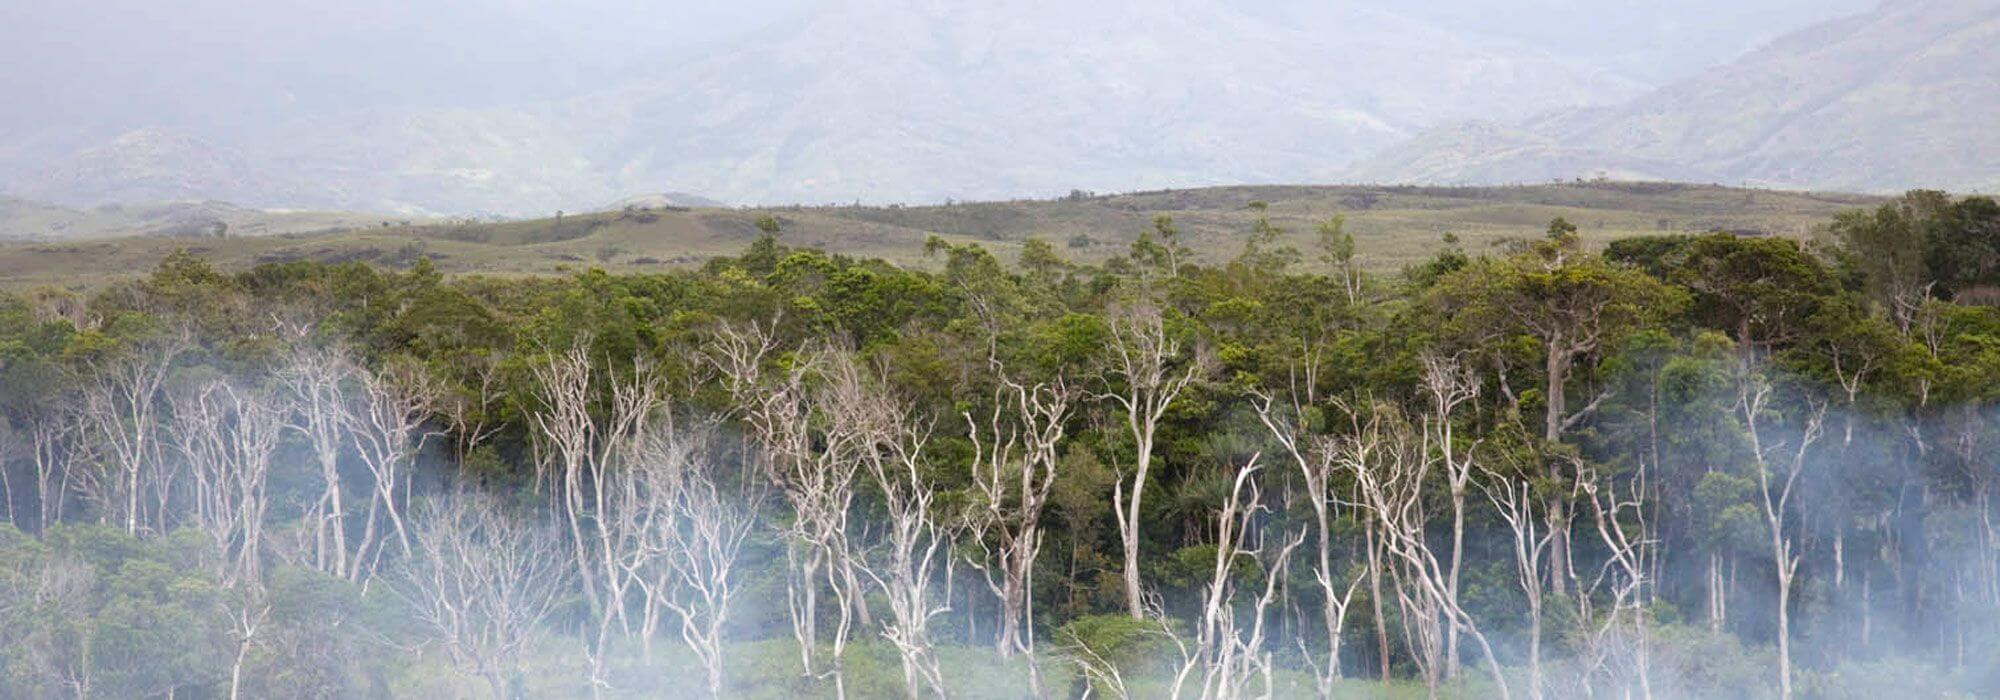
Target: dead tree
638, 515
314, 380
1390, 462
1515, 501
578, 455
890, 442
59, 446
1620, 519
57, 438
227, 437
1448, 384
1315, 457
249, 609
468, 414
123, 418
386, 424
11, 444
482, 581
814, 470
1014, 465
1153, 368
1779, 467
706, 522
1224, 660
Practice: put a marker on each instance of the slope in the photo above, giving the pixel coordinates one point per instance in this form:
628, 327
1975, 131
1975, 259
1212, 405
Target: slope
1896, 98
1393, 227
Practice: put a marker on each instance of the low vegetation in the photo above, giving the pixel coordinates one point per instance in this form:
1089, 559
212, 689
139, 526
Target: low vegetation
1393, 227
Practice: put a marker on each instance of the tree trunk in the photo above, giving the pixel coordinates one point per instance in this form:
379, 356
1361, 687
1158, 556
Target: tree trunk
1129, 533
1784, 633
1375, 597
1718, 596
1557, 400
1451, 580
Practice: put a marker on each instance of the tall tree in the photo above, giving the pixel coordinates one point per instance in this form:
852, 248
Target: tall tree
1153, 365
1572, 305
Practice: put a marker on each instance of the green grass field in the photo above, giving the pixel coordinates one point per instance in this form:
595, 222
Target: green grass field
1393, 226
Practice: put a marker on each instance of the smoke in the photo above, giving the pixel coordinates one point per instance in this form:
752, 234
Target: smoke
386, 529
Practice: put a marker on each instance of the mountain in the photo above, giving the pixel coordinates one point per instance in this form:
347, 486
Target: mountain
1896, 98
147, 164
664, 200
28, 220
888, 101
1650, 41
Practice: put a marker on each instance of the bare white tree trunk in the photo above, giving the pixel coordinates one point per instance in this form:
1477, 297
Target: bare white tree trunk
57, 445
1013, 471
1224, 660
122, 412
248, 619
1390, 462
699, 535
581, 460
890, 442
11, 444
1516, 504
227, 437
1315, 457
1153, 369
1779, 467
314, 379
1449, 384
1630, 544
482, 581
386, 425
814, 470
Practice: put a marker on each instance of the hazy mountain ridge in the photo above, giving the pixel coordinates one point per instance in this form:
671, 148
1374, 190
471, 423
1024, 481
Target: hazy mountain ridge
1893, 99
901, 100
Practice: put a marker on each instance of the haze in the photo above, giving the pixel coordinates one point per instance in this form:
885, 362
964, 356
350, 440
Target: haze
254, 92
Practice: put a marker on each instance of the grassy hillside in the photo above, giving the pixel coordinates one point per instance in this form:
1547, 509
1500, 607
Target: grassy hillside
26, 220
1393, 226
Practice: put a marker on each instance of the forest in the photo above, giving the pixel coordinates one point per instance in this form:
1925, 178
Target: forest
1678, 466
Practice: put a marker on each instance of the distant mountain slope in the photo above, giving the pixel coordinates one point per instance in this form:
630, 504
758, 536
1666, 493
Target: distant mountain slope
893, 100
1900, 97
887, 100
144, 165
